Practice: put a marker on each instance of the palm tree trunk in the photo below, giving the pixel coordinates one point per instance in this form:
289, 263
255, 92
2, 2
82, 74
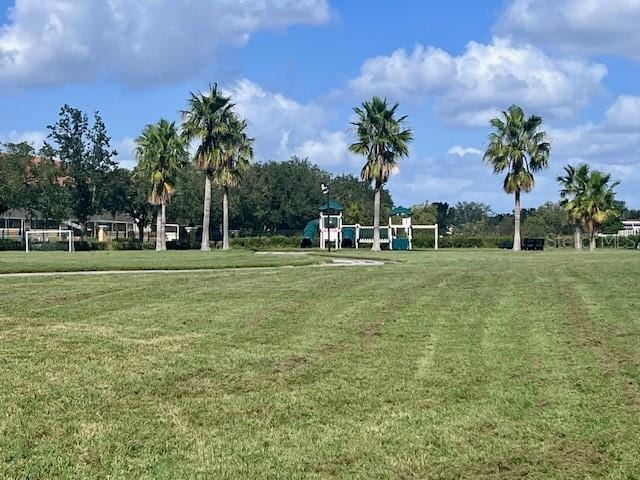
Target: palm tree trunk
516, 219
163, 236
375, 247
225, 218
578, 238
592, 238
204, 246
158, 231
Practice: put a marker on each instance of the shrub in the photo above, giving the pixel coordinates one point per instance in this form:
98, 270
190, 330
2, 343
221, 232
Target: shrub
126, 244
88, 245
7, 244
461, 241
182, 244
266, 242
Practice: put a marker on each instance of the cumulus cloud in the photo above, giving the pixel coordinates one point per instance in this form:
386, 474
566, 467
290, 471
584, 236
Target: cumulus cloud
444, 178
614, 140
126, 152
438, 186
611, 145
135, 41
624, 114
278, 123
283, 127
474, 86
464, 151
330, 149
35, 138
589, 27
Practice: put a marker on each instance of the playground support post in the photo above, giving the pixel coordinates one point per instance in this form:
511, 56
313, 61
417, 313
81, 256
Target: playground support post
329, 219
327, 192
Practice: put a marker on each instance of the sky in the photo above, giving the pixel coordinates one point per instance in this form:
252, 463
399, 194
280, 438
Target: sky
296, 68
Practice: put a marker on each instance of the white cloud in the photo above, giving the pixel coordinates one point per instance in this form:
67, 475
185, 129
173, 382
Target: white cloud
279, 124
462, 151
126, 152
35, 138
330, 149
135, 41
610, 145
426, 68
283, 127
472, 87
624, 114
590, 27
614, 140
438, 186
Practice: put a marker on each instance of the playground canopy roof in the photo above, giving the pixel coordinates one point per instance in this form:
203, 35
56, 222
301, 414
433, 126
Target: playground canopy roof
333, 206
405, 212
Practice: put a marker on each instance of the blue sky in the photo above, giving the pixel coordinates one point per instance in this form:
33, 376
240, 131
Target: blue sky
295, 69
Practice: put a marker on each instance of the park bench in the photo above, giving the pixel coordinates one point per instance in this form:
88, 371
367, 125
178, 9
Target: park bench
533, 244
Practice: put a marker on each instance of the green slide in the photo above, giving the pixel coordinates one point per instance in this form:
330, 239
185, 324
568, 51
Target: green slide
309, 233
348, 237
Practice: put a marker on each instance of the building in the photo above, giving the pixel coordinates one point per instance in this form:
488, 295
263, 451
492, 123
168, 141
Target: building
14, 223
629, 227
104, 228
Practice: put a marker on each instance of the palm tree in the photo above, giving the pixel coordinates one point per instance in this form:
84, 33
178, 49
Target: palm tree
597, 204
161, 153
573, 184
519, 146
206, 120
382, 139
235, 154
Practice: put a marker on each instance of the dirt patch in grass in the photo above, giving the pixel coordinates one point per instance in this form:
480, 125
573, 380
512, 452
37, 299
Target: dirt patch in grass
289, 363
372, 329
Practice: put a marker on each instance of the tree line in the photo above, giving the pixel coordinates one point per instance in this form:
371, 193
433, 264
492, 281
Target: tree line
76, 175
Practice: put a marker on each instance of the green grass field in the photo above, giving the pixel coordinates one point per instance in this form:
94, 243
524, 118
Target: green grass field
449, 364
20, 262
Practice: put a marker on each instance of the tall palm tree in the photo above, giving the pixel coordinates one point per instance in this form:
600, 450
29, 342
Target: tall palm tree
573, 184
206, 120
520, 147
161, 153
235, 154
382, 139
597, 203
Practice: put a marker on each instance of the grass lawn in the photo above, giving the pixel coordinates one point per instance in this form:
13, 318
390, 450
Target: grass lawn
449, 364
20, 262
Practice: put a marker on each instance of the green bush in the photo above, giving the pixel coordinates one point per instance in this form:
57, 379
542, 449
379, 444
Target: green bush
266, 242
127, 244
460, 241
7, 244
89, 245
182, 244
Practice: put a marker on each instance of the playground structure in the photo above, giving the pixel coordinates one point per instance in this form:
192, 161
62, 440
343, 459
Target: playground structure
397, 235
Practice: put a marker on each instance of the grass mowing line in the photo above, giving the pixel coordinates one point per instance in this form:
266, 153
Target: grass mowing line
341, 262
19, 262
145, 272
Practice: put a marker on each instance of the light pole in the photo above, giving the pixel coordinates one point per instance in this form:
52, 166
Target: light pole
327, 192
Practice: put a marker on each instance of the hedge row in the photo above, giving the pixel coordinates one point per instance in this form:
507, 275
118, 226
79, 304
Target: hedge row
78, 245
281, 241
266, 242
459, 241
8, 244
